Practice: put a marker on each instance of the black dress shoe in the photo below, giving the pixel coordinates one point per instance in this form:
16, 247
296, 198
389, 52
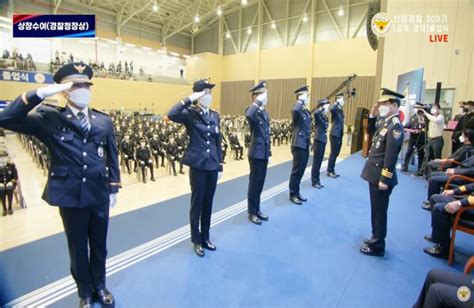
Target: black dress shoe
85, 302
105, 297
262, 216
429, 238
208, 245
332, 175
181, 172
436, 251
295, 200
367, 250
4, 212
10, 211
255, 219
153, 179
405, 169
198, 250
302, 198
318, 186
426, 207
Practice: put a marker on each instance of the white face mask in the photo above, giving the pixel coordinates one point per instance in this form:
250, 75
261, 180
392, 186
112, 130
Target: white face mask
340, 101
433, 111
81, 97
462, 139
206, 101
384, 110
303, 96
326, 108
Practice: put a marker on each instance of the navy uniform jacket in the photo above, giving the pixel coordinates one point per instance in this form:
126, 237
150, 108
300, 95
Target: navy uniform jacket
301, 126
386, 144
8, 173
204, 149
337, 120
84, 168
259, 123
320, 125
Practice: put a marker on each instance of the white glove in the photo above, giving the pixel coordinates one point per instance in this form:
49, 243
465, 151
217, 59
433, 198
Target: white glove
113, 200
219, 175
263, 98
269, 160
193, 97
50, 90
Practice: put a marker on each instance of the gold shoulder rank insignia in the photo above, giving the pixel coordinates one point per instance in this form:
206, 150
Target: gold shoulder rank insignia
395, 120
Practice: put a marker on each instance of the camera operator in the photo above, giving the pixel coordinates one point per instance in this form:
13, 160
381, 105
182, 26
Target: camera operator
435, 133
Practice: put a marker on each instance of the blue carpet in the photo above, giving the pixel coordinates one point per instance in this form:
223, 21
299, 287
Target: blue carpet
33, 265
303, 257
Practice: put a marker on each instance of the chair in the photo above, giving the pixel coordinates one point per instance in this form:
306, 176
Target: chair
459, 224
469, 265
444, 166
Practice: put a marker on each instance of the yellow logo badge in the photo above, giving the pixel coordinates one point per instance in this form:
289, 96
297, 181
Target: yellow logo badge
381, 24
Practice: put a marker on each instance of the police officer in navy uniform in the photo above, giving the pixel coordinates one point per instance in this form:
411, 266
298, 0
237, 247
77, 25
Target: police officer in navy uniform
301, 142
379, 169
320, 141
204, 157
84, 173
336, 134
259, 152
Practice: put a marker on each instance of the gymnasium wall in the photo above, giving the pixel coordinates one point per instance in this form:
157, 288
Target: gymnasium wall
115, 94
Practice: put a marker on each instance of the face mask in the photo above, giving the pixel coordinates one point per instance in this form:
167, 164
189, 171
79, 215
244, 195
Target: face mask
462, 139
81, 97
433, 110
142, 145
340, 101
303, 97
384, 110
326, 108
206, 101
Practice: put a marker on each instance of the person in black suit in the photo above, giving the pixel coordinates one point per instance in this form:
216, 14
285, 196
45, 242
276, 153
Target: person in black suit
300, 144
445, 206
127, 148
173, 153
157, 150
464, 119
143, 155
417, 140
379, 169
224, 145
8, 182
235, 145
320, 141
259, 152
84, 175
336, 134
204, 157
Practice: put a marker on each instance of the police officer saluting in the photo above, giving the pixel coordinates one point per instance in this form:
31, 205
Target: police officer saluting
379, 169
259, 150
320, 141
300, 145
336, 134
204, 157
84, 173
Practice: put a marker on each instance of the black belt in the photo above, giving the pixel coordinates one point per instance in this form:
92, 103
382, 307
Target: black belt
435, 138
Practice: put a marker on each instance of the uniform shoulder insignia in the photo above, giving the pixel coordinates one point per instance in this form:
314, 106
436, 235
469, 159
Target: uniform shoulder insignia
101, 111
395, 120
396, 133
58, 108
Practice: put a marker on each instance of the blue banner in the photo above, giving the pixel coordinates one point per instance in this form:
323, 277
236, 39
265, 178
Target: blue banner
61, 26
22, 76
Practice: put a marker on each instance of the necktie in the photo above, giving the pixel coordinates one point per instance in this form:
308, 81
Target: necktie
206, 116
84, 121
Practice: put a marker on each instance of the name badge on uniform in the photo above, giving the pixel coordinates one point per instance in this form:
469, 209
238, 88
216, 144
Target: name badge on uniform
100, 151
383, 132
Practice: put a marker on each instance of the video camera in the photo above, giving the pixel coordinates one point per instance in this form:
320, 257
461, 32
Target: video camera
420, 106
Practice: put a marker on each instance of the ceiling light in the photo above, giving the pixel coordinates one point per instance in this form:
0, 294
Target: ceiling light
155, 7
305, 18
227, 35
196, 18
244, 2
249, 30
341, 11
219, 11
274, 25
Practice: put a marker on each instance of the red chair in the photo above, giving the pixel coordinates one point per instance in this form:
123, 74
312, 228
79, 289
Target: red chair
469, 265
459, 223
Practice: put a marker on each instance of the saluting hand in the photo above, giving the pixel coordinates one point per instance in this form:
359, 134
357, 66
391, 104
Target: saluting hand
196, 95
53, 89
